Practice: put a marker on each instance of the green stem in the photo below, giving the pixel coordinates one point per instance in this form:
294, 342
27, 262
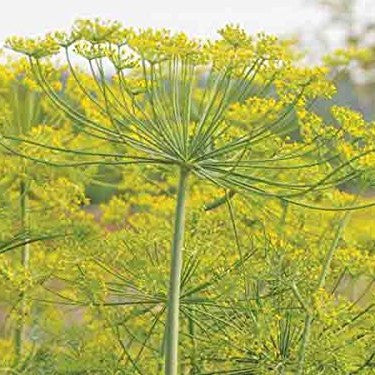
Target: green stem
305, 343
172, 323
25, 253
193, 343
321, 283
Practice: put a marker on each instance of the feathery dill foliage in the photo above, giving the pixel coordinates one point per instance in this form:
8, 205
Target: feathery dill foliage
236, 112
31, 197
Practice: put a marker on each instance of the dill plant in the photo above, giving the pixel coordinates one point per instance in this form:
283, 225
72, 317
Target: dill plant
234, 112
27, 196
22, 111
223, 329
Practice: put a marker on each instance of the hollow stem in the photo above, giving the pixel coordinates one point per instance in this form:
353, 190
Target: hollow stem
172, 323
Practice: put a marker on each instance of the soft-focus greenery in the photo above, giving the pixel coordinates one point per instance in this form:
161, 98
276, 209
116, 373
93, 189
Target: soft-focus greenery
272, 245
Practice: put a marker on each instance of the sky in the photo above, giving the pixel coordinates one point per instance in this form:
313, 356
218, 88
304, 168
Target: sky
196, 17
200, 18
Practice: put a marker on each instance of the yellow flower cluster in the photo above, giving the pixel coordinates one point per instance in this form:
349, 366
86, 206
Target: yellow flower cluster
358, 136
255, 111
159, 45
311, 124
352, 122
343, 57
299, 83
98, 31
37, 48
235, 36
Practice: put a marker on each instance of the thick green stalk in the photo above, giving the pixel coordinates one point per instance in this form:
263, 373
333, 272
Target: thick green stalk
172, 323
321, 283
19, 331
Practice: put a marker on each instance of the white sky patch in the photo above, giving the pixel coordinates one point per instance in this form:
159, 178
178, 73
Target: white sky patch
196, 17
